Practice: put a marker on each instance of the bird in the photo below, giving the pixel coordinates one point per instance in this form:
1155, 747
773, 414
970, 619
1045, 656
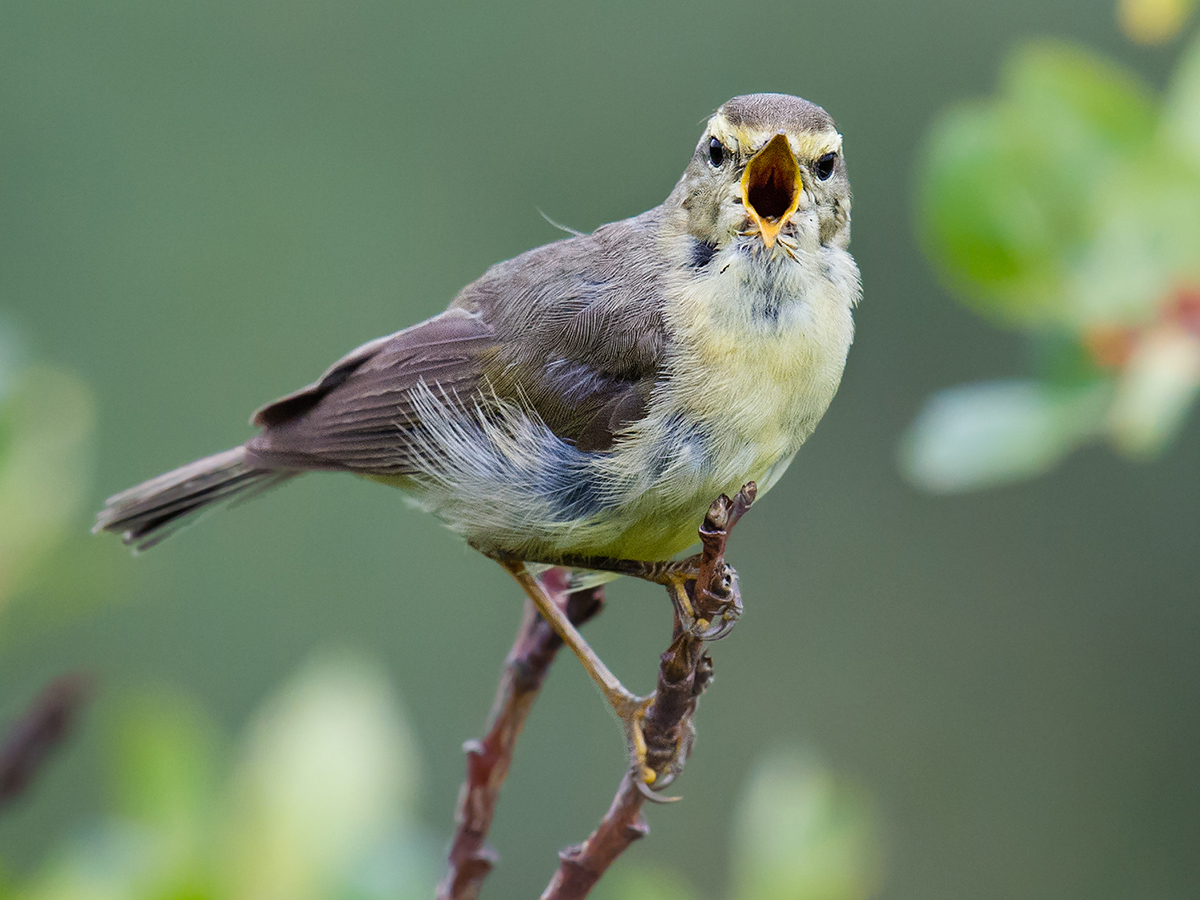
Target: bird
581, 404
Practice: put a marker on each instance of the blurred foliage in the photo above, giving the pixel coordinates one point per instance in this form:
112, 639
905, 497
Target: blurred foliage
318, 798
47, 418
317, 801
203, 204
799, 833
802, 833
1068, 207
1153, 21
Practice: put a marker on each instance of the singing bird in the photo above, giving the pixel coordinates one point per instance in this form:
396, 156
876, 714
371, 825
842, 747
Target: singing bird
584, 402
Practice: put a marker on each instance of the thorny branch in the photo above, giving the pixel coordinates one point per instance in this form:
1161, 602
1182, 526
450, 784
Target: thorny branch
34, 736
488, 760
684, 672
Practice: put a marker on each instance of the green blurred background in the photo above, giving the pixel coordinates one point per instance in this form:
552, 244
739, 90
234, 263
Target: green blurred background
202, 205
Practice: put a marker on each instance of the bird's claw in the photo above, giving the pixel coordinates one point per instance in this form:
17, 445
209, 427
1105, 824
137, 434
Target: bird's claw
727, 606
651, 793
718, 628
631, 712
646, 779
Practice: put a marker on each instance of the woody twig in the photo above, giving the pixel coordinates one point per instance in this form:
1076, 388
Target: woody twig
38, 732
488, 760
685, 670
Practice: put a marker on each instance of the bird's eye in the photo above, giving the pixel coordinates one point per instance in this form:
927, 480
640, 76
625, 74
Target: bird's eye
825, 166
716, 152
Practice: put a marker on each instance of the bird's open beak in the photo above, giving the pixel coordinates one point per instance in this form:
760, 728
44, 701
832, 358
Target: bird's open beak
771, 187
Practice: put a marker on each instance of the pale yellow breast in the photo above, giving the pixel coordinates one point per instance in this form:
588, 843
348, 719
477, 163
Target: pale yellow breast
760, 359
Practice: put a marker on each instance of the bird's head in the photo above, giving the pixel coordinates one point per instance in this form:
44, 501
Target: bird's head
768, 171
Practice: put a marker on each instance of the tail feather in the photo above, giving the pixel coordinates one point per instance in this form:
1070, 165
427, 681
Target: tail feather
154, 510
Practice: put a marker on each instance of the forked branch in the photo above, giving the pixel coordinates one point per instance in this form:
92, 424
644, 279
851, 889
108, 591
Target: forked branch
685, 670
488, 760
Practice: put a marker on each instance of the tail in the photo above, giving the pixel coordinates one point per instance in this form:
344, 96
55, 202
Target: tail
156, 509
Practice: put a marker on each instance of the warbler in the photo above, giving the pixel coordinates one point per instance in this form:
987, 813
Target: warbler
588, 399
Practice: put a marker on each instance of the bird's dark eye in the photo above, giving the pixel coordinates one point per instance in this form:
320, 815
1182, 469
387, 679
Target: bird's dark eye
824, 166
716, 152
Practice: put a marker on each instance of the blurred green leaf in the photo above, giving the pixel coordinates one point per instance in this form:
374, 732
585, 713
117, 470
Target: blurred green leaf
803, 835
1181, 110
981, 435
166, 758
1140, 250
116, 861
1013, 189
642, 883
1080, 99
78, 576
318, 807
983, 224
45, 467
1068, 205
328, 765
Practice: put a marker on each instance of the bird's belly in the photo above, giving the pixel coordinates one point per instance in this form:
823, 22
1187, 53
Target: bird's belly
663, 520
531, 494
741, 392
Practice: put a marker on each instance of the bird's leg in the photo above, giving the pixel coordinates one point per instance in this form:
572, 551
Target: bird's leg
710, 619
712, 614
704, 591
703, 588
629, 707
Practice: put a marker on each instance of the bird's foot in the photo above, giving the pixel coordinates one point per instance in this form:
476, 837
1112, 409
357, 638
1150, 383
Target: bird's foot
712, 615
631, 710
629, 707
705, 591
649, 779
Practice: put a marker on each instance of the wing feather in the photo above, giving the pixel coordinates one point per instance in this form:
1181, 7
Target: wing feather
359, 415
572, 332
